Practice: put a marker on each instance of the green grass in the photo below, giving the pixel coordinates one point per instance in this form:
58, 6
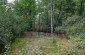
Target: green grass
18, 43
45, 46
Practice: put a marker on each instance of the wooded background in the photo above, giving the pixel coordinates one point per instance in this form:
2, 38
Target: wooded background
67, 16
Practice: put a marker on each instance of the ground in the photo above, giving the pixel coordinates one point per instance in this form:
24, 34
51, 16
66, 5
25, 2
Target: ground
46, 46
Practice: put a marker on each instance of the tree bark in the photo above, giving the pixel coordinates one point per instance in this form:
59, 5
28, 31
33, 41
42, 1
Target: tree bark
52, 16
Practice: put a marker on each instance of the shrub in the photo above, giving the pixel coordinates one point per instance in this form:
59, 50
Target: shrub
10, 26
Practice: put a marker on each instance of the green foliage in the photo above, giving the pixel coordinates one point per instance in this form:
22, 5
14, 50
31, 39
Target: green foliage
27, 10
65, 14
60, 29
3, 2
73, 25
10, 26
77, 28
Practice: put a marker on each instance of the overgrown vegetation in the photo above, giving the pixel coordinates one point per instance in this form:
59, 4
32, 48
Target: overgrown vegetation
45, 46
62, 17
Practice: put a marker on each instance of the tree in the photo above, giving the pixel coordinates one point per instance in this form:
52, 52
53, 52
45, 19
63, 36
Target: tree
26, 9
10, 26
52, 15
43, 16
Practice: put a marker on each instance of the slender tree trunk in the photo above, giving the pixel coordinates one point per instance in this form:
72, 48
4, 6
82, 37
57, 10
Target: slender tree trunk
52, 9
39, 17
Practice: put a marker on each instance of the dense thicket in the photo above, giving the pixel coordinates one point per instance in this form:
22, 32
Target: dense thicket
68, 16
35, 15
11, 25
27, 10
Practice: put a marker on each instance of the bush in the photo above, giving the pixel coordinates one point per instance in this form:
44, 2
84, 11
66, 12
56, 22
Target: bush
73, 25
60, 29
10, 26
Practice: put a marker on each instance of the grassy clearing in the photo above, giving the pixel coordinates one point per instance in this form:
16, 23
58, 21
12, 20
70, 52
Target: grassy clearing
46, 46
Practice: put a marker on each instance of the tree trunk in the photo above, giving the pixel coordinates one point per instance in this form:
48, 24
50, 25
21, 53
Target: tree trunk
52, 16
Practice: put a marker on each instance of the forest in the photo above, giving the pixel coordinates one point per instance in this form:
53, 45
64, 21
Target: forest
42, 27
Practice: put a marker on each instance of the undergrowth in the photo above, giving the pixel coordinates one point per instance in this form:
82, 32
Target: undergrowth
47, 46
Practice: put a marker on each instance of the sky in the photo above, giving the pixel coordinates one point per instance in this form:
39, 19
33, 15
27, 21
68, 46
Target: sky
10, 1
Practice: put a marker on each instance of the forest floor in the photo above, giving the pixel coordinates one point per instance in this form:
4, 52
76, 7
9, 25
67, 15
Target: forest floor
47, 46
